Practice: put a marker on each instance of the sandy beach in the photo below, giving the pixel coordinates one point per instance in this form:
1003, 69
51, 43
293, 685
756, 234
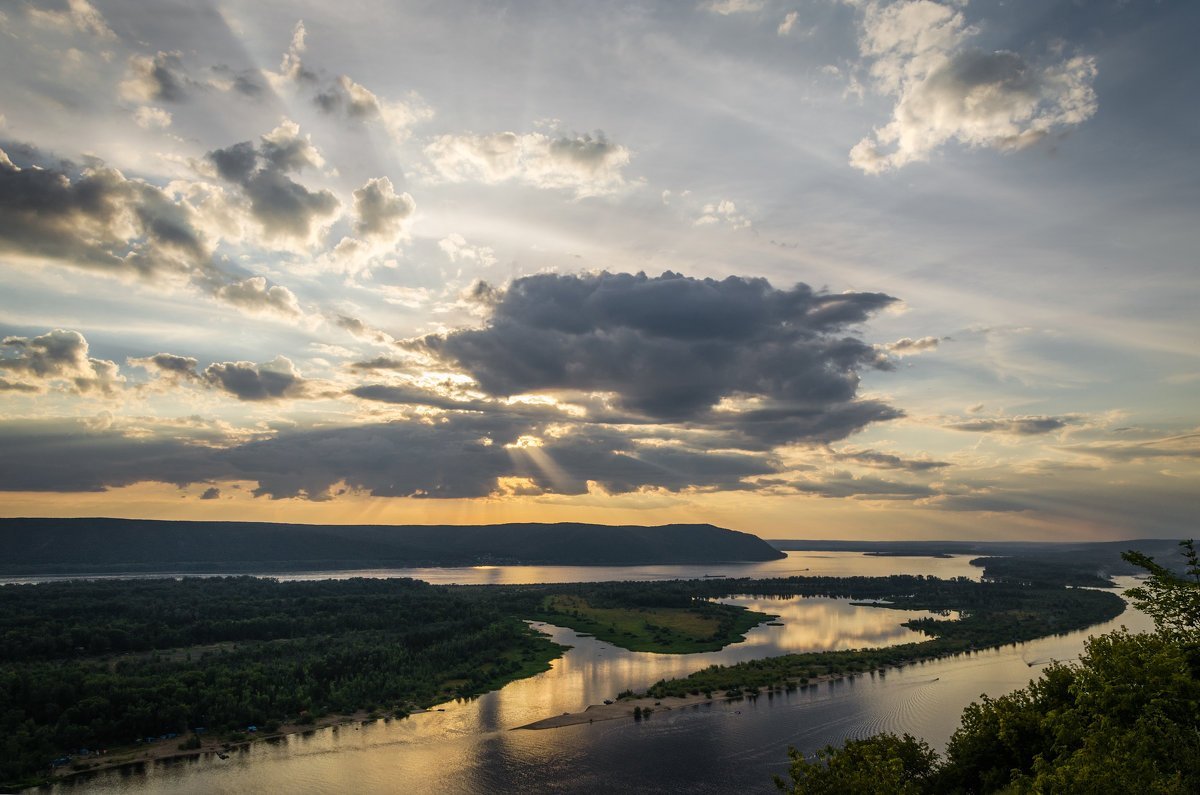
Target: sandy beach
624, 708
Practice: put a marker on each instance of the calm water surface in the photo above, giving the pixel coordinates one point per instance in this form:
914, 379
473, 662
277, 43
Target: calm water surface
812, 564
720, 747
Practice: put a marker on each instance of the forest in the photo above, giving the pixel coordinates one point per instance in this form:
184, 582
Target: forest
1125, 718
104, 663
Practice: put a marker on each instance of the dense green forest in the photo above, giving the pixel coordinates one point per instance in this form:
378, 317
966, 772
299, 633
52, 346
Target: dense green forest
1125, 718
100, 663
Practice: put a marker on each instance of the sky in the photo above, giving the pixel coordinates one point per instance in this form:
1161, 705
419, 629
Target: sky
830, 269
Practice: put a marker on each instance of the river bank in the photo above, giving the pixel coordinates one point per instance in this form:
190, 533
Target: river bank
214, 746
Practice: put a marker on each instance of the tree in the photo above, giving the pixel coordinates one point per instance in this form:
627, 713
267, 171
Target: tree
880, 765
1172, 601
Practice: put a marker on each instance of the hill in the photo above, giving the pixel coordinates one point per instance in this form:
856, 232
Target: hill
100, 545
1085, 563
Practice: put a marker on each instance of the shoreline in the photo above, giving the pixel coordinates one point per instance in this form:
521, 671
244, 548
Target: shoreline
623, 708
169, 750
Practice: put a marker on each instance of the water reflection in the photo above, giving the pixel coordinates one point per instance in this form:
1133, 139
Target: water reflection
715, 747
830, 564
461, 745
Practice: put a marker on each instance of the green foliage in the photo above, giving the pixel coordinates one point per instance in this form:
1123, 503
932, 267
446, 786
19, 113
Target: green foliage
225, 653
1173, 602
632, 620
1125, 719
880, 765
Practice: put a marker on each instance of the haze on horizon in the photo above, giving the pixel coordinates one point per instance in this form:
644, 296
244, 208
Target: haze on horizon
857, 269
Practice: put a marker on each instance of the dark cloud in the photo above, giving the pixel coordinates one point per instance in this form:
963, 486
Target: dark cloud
984, 501
156, 78
414, 396
344, 94
58, 356
282, 206
168, 365
462, 455
245, 82
274, 380
844, 485
96, 219
877, 460
211, 493
17, 386
1017, 426
381, 363
1183, 446
671, 348
65, 455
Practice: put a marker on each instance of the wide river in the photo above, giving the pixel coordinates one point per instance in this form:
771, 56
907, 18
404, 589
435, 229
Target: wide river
473, 746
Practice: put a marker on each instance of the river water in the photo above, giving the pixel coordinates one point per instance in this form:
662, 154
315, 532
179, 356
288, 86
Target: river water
809, 564
473, 746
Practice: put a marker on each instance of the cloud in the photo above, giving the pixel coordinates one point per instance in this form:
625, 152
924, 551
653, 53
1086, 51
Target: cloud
844, 485
274, 380
345, 97
1181, 446
168, 366
80, 15
1016, 426
948, 91
382, 213
457, 249
54, 358
723, 211
462, 456
149, 118
156, 78
67, 455
254, 294
99, 219
211, 493
96, 218
671, 348
789, 22
291, 67
362, 330
244, 81
282, 207
877, 460
727, 7
359, 103
906, 346
586, 165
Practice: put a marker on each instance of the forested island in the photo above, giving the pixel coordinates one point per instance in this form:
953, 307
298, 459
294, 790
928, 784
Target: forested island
191, 662
122, 546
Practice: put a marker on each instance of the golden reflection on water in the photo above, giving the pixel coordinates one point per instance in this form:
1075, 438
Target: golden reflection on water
470, 747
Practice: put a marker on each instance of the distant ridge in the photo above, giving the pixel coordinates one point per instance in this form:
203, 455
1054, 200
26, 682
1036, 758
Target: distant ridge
103, 545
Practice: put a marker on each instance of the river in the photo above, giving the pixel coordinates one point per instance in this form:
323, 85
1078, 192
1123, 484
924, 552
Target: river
471, 746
